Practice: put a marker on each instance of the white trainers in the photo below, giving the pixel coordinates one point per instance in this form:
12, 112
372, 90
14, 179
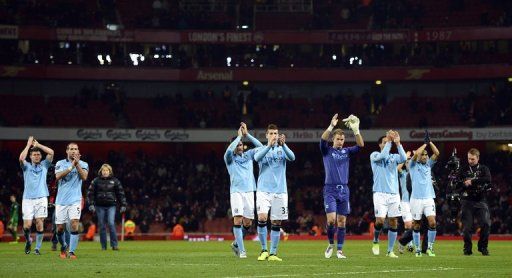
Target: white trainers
376, 249
391, 254
243, 255
235, 249
340, 255
328, 251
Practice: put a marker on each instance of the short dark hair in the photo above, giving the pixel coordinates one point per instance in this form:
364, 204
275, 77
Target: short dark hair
71, 143
34, 149
271, 126
380, 139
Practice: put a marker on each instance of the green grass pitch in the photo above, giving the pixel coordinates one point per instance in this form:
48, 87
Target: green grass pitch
215, 259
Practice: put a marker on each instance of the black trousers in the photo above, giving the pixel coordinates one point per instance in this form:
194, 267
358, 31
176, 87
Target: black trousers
407, 236
479, 211
54, 226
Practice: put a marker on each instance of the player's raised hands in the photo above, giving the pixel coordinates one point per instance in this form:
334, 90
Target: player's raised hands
272, 141
352, 122
390, 135
35, 143
334, 120
281, 140
244, 129
30, 141
240, 131
426, 139
396, 137
76, 158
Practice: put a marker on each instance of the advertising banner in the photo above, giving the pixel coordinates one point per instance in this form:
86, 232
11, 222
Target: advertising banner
224, 135
263, 37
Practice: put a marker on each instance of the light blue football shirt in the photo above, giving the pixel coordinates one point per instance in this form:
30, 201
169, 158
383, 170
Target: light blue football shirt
421, 177
70, 186
384, 168
34, 179
240, 167
272, 163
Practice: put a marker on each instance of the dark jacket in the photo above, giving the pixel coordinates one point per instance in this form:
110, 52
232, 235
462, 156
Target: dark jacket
481, 179
106, 192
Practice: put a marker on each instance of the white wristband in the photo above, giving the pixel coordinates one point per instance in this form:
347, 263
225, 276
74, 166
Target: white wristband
330, 128
356, 131
70, 168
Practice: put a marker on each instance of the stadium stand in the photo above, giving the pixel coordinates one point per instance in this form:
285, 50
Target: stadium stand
211, 108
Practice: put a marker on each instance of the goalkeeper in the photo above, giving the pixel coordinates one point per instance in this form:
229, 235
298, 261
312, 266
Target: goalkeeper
12, 226
336, 160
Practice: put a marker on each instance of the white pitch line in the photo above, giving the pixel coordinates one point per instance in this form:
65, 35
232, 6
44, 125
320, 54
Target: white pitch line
160, 264
350, 272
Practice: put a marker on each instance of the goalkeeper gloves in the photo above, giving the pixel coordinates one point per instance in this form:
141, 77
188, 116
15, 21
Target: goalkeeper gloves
352, 122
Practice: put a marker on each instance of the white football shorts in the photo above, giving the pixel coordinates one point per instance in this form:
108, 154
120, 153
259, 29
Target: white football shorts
386, 204
34, 208
242, 204
405, 208
422, 206
64, 214
277, 203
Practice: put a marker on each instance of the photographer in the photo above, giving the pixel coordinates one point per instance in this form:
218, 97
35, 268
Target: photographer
476, 180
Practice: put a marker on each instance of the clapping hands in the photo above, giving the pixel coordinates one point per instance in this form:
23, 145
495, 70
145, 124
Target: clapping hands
393, 136
281, 139
426, 140
243, 128
352, 122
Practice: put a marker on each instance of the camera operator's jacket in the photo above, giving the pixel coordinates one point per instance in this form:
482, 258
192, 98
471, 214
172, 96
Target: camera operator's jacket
480, 176
106, 192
